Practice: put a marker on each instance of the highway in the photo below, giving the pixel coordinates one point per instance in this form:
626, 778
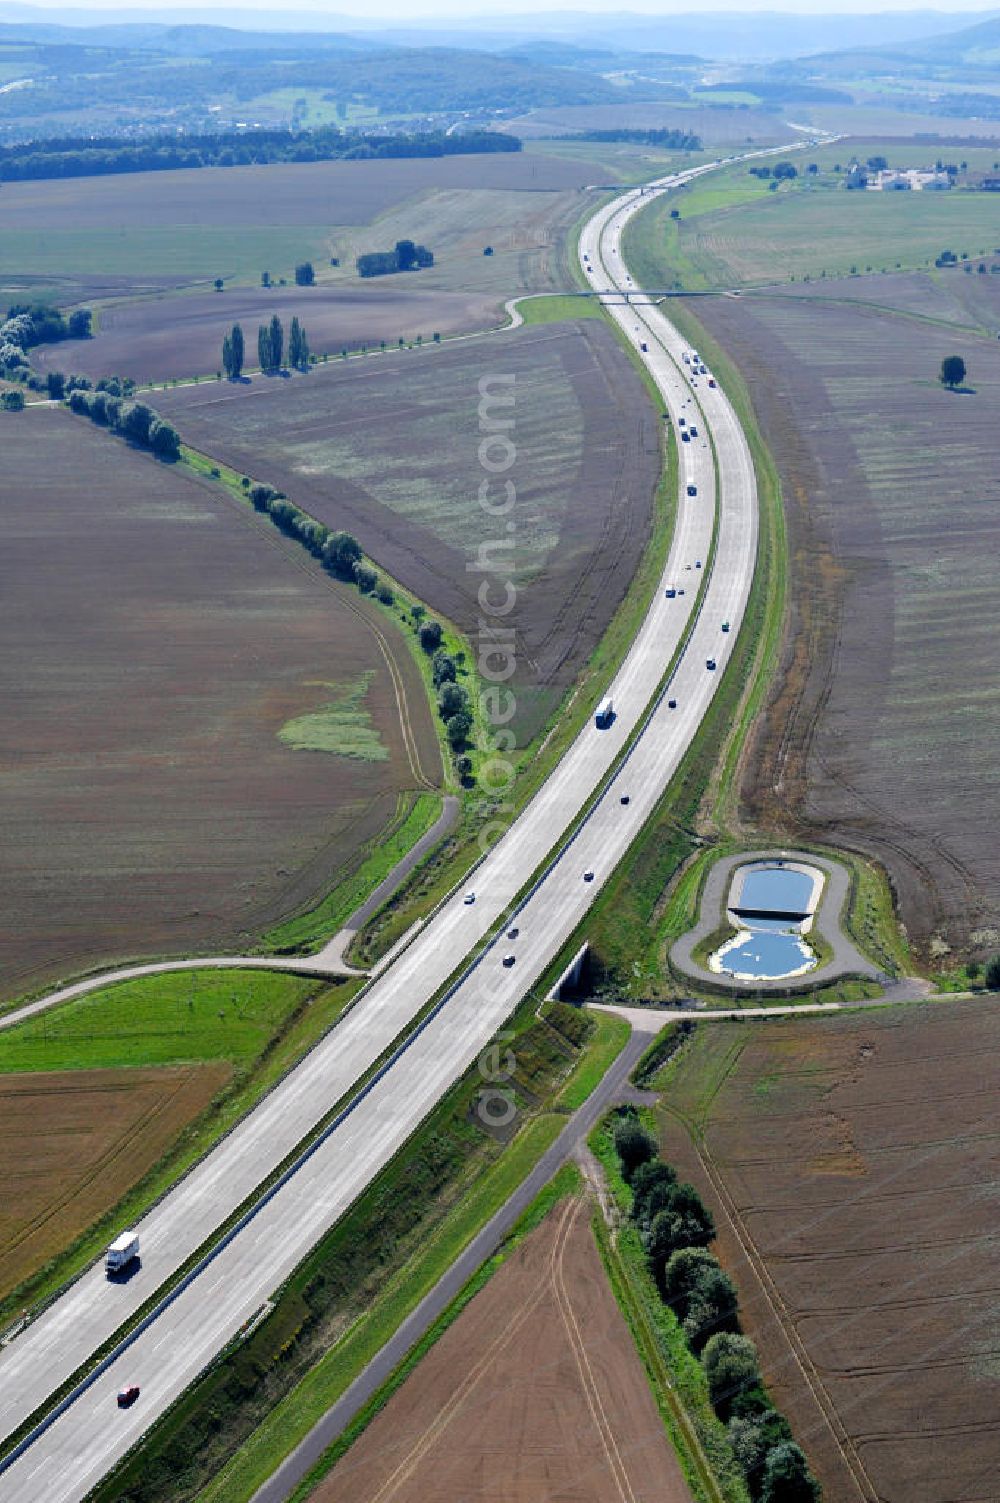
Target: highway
85, 1440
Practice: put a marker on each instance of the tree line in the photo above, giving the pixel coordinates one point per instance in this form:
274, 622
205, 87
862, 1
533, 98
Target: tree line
75, 156
675, 1228
30, 324
133, 421
670, 140
406, 255
341, 553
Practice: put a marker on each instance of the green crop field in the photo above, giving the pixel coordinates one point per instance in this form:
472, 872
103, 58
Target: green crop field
735, 232
239, 252
178, 1017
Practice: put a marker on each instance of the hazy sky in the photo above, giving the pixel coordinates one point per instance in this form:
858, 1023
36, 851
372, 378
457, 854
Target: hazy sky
409, 14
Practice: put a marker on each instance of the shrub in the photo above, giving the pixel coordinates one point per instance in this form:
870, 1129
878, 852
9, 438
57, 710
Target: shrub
164, 440
451, 699
731, 1366
13, 401
385, 594
787, 1478
458, 727
443, 668
341, 552
633, 1145
365, 578
430, 636
652, 1183
261, 495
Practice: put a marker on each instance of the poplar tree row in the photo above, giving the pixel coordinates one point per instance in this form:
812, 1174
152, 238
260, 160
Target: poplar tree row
270, 349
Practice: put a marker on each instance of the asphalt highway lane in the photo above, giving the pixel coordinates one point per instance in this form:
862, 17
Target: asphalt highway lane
70, 1456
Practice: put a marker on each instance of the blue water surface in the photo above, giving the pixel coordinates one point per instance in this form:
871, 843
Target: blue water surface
777, 888
768, 953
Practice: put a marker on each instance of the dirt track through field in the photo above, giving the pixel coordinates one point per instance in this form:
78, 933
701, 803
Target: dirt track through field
534, 1394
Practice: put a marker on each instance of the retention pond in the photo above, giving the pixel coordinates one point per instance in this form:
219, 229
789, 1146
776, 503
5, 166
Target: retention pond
771, 906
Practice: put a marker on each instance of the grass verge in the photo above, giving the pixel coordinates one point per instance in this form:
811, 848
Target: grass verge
415, 814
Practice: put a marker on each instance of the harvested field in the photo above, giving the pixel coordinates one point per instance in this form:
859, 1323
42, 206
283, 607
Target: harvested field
239, 221
881, 735
852, 1164
296, 193
388, 449
536, 1393
84, 1138
158, 637
163, 338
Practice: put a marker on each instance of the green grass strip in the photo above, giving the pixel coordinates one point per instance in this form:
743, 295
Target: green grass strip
320, 923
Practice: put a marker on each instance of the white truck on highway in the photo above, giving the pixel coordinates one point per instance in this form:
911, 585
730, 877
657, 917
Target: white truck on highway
604, 714
123, 1251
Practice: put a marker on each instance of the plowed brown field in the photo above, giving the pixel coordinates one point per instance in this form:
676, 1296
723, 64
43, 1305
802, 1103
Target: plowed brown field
882, 732
158, 339
388, 448
157, 636
534, 1395
84, 1138
853, 1165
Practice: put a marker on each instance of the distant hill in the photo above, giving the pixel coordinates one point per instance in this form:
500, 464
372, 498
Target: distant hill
970, 47
721, 34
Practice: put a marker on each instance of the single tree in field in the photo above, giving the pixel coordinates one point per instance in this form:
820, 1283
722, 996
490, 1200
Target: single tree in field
952, 371
277, 342
305, 275
218, 284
